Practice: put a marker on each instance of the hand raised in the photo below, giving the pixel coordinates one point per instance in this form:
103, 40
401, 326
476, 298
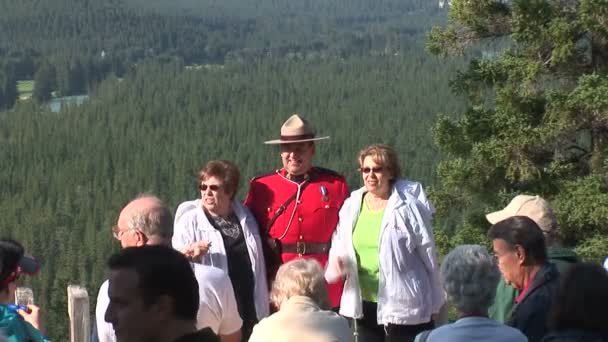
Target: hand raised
33, 317
196, 249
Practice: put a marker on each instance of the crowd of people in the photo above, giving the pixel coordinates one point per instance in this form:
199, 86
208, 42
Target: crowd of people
303, 257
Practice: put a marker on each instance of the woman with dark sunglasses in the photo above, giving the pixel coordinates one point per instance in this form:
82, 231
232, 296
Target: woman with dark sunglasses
385, 251
217, 230
17, 322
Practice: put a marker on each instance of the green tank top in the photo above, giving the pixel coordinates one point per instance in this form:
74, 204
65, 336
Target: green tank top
365, 241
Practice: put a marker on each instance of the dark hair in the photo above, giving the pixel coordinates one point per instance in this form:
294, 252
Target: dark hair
225, 170
11, 253
161, 271
523, 231
581, 300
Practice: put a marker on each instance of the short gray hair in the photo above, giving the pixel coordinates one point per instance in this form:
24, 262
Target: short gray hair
300, 277
154, 221
469, 275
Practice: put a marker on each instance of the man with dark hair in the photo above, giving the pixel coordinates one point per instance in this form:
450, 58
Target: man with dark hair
519, 248
146, 221
540, 211
153, 296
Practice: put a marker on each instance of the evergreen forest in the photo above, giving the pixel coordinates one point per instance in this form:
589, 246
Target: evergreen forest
171, 85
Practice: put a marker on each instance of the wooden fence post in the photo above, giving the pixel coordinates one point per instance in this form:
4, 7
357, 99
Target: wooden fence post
24, 296
78, 310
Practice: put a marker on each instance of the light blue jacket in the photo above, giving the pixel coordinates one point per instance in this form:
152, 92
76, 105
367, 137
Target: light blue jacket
409, 289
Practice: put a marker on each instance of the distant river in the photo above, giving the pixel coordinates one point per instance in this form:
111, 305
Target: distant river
55, 104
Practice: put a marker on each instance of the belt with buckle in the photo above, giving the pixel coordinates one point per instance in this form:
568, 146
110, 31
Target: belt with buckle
305, 248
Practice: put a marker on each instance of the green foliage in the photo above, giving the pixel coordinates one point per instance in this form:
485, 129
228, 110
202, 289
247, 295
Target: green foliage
109, 37
65, 176
44, 83
593, 249
8, 86
25, 87
536, 121
582, 207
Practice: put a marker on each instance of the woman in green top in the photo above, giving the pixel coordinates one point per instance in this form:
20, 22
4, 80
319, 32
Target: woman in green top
384, 250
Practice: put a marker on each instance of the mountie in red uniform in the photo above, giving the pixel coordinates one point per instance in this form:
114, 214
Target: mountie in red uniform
302, 213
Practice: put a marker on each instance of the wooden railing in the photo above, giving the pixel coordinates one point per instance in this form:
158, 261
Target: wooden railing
78, 310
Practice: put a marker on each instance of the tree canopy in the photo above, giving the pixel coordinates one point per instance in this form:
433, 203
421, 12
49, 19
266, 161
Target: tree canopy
65, 175
537, 116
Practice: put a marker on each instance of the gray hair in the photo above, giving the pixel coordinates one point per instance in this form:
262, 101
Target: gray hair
154, 221
469, 275
300, 277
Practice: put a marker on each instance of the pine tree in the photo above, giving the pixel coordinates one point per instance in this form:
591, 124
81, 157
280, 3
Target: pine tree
44, 82
537, 120
8, 89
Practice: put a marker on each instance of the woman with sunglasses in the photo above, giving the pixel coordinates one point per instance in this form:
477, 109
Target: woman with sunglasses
17, 322
217, 230
385, 251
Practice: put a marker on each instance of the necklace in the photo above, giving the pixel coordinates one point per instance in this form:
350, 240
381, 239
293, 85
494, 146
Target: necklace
375, 203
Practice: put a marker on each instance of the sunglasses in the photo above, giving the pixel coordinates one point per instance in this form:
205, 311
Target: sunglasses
367, 170
212, 187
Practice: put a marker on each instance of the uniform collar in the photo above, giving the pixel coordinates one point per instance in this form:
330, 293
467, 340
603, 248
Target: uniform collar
298, 178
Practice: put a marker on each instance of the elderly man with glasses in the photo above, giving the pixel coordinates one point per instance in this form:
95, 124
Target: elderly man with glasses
519, 248
146, 221
539, 210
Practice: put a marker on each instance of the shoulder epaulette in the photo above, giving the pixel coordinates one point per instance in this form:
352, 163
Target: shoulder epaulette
270, 173
325, 171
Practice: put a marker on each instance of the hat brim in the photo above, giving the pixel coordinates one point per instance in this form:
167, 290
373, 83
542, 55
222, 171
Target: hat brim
279, 141
29, 265
497, 216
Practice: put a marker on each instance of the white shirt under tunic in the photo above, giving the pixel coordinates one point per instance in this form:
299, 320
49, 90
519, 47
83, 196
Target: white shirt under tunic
217, 309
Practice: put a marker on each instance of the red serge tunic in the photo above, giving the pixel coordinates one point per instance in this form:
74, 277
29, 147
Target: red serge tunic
310, 218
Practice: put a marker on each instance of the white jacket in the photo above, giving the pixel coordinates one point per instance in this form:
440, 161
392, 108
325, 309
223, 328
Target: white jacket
409, 289
191, 225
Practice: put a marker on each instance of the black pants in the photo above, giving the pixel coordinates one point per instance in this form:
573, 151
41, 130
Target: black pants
368, 329
247, 329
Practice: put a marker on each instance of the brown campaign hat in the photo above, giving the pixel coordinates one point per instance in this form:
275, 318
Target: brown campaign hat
295, 130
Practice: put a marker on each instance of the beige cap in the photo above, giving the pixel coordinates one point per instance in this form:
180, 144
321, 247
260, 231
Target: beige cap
296, 130
534, 207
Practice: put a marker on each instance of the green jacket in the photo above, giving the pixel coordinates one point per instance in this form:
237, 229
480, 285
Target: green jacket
15, 329
500, 311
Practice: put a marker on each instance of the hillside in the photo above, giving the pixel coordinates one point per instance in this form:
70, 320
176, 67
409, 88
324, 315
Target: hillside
158, 110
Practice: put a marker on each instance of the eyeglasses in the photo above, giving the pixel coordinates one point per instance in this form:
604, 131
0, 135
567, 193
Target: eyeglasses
212, 187
497, 255
117, 232
367, 170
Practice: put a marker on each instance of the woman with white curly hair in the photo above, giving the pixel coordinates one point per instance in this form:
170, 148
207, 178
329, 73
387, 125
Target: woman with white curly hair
469, 276
300, 293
